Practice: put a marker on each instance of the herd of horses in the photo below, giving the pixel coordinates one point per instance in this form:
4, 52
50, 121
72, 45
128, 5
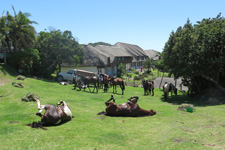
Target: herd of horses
61, 113
96, 82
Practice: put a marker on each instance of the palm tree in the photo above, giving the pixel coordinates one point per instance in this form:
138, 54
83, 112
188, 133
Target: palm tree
4, 38
21, 32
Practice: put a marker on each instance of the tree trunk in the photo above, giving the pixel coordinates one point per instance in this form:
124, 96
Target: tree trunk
161, 80
59, 67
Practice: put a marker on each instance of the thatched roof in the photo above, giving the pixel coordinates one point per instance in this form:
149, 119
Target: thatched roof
98, 55
133, 50
93, 57
152, 54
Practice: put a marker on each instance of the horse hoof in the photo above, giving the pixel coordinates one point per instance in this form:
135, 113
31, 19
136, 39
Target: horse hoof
38, 114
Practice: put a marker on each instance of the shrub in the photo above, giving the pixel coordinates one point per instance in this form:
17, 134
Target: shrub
30, 97
20, 77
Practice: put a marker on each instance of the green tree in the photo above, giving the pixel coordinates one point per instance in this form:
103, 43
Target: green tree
16, 31
58, 47
26, 62
149, 64
21, 31
99, 43
196, 53
121, 70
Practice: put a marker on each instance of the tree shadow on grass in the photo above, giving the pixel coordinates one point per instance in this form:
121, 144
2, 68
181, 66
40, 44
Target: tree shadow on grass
181, 99
6, 69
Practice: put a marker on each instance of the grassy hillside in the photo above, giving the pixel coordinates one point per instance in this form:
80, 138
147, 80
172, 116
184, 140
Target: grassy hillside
168, 129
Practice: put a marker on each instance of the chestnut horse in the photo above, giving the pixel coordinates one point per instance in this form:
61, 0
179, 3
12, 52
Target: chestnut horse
129, 109
53, 115
169, 88
117, 81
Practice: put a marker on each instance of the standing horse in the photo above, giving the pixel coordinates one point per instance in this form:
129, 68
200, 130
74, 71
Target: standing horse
115, 82
53, 115
148, 87
169, 88
129, 109
77, 83
90, 80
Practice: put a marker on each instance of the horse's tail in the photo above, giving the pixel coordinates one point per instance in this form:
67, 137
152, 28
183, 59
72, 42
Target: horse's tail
101, 113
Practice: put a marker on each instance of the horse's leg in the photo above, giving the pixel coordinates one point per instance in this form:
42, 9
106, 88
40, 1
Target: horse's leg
165, 95
121, 89
152, 91
133, 101
40, 108
96, 89
89, 88
112, 98
60, 102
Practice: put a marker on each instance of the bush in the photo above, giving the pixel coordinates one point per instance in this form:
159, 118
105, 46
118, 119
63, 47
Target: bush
30, 97
136, 72
19, 85
25, 61
20, 77
129, 75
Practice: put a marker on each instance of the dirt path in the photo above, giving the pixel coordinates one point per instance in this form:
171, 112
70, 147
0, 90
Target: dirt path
169, 80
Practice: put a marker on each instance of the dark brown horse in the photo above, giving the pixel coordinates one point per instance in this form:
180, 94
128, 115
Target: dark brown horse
129, 109
90, 80
148, 87
115, 82
53, 115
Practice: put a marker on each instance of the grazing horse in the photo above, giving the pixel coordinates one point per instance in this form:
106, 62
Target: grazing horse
115, 82
53, 115
129, 109
90, 80
169, 88
148, 87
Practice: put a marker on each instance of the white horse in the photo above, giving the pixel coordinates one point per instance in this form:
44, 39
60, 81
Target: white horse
169, 88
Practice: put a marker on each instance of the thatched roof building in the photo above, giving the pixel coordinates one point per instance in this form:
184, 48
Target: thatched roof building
152, 54
107, 58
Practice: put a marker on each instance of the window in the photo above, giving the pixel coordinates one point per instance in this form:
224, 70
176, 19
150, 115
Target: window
70, 72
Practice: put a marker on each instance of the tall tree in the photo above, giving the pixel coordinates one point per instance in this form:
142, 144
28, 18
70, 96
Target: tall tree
21, 31
196, 53
56, 48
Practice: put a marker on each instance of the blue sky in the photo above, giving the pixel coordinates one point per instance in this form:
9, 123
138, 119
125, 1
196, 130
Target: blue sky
146, 23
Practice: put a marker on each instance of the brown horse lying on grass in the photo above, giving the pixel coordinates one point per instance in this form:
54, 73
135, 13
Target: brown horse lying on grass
53, 115
129, 109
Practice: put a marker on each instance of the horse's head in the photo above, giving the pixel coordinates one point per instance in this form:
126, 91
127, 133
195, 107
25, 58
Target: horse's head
152, 112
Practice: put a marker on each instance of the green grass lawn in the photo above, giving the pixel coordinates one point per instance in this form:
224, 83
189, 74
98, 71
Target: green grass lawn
168, 129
